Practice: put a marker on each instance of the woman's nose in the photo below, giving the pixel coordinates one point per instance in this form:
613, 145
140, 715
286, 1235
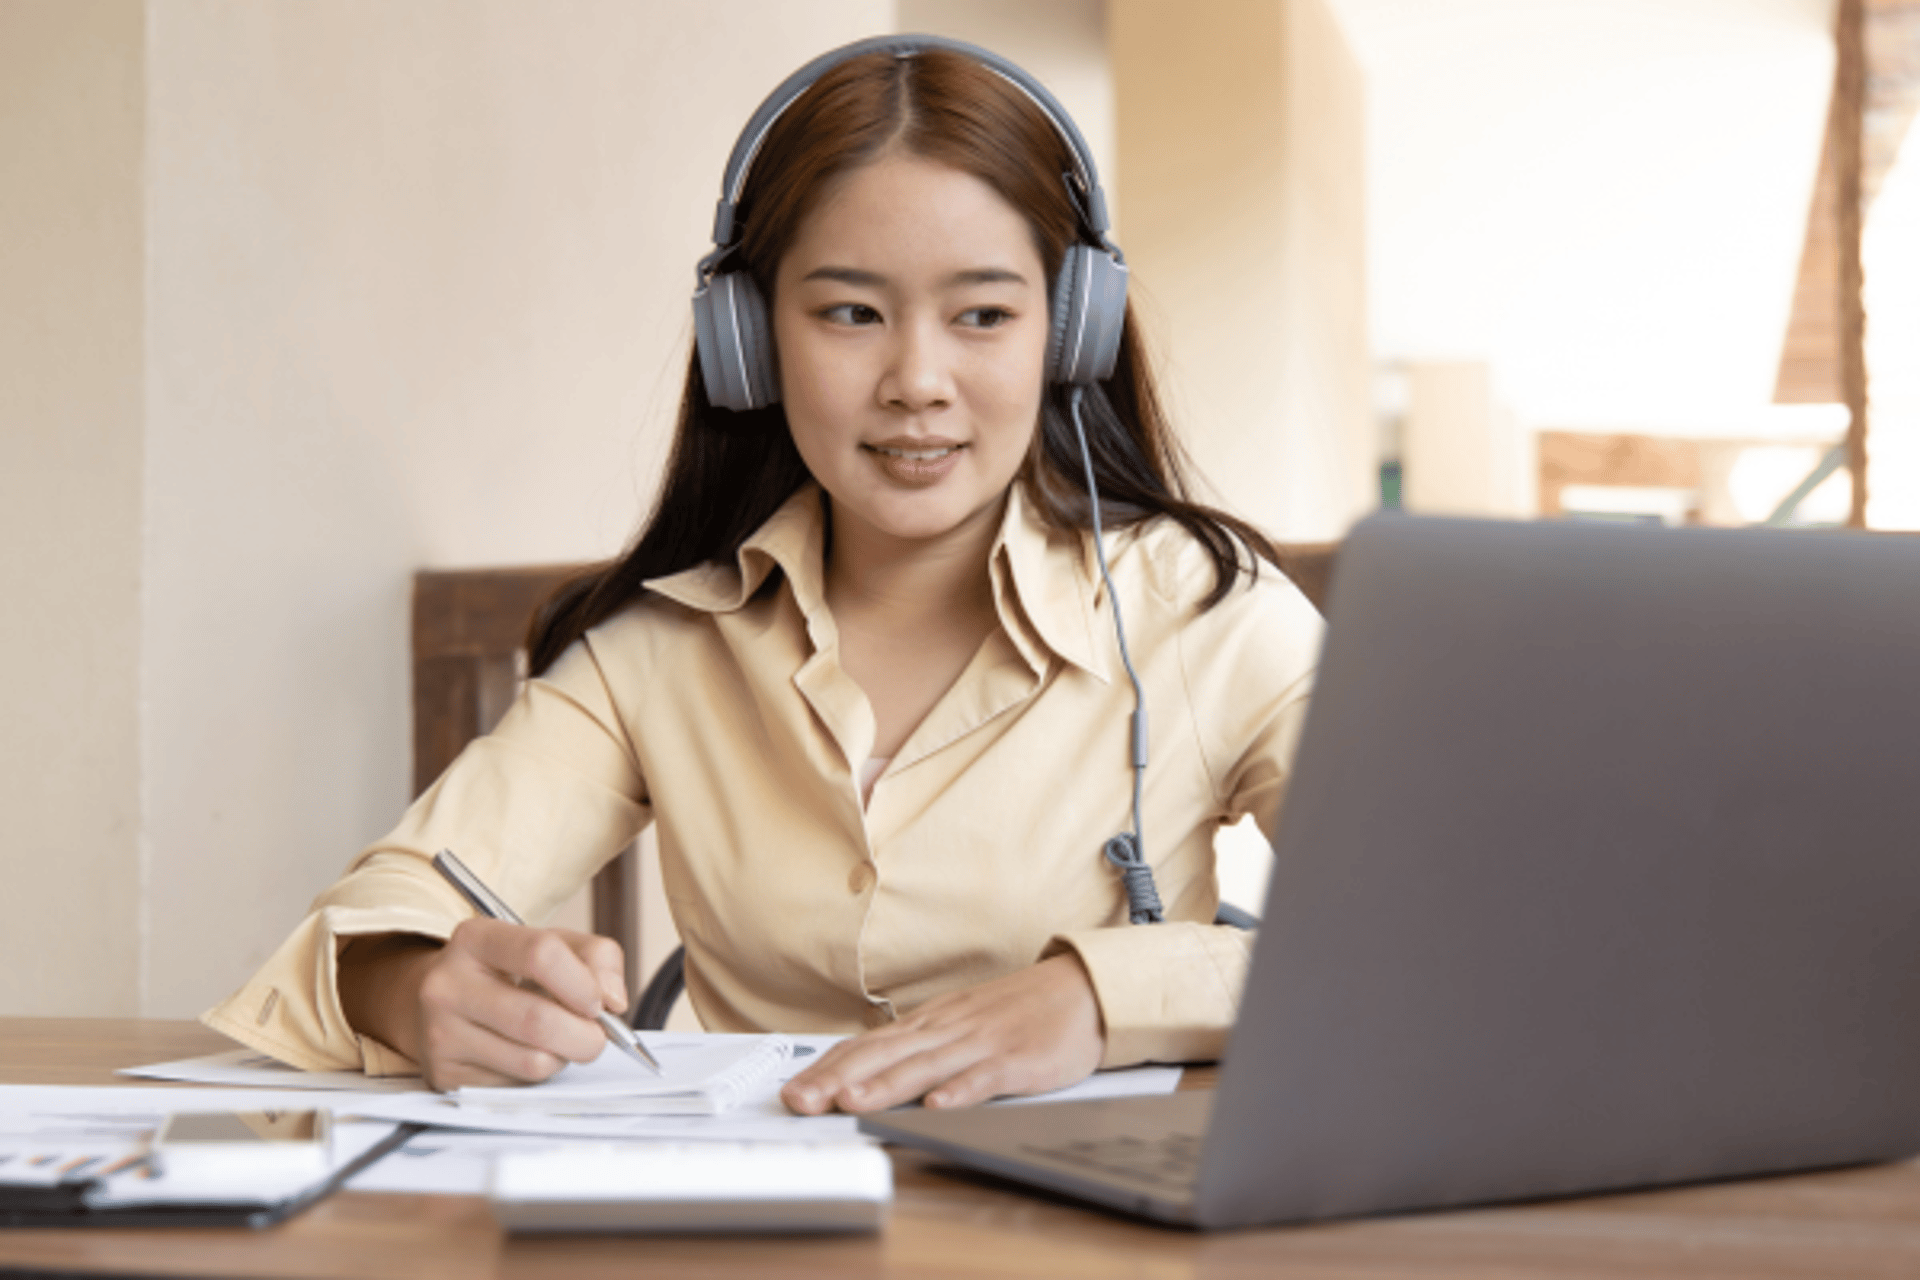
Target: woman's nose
919, 375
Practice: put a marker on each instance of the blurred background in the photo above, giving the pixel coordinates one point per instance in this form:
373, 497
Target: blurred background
298, 300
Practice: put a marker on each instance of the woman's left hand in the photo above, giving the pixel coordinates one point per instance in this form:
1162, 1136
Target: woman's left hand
1028, 1032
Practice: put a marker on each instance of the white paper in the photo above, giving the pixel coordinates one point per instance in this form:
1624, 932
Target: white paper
107, 1109
453, 1162
1126, 1082
445, 1162
247, 1069
762, 1119
705, 1077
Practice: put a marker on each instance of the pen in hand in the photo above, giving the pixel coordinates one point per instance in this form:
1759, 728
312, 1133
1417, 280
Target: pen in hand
487, 903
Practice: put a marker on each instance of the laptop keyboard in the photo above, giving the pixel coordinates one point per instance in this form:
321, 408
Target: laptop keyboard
1169, 1161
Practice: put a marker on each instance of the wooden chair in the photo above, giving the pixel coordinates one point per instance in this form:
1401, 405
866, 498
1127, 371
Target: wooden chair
469, 630
469, 655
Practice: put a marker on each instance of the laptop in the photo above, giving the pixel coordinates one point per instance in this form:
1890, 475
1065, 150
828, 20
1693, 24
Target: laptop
1599, 869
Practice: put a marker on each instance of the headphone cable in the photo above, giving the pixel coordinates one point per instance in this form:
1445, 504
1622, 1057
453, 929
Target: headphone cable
1126, 851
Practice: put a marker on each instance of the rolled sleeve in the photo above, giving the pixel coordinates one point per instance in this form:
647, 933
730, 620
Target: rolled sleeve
1167, 992
291, 1008
535, 808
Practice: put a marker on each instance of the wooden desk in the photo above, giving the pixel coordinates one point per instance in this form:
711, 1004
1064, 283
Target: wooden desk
1853, 1223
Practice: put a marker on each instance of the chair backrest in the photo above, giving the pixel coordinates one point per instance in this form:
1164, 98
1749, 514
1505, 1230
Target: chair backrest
469, 628
1310, 566
469, 634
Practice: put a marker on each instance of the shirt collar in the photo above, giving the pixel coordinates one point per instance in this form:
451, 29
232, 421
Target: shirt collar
1045, 587
793, 540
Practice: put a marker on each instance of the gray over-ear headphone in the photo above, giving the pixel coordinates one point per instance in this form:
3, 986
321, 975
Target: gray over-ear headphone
731, 325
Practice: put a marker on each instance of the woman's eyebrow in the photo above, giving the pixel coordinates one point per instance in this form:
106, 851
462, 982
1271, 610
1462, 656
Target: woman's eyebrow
874, 280
846, 275
987, 275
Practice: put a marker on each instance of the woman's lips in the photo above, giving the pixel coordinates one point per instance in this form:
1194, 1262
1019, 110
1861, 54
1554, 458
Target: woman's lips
916, 465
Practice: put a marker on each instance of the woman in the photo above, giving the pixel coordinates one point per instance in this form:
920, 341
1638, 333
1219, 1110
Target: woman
860, 669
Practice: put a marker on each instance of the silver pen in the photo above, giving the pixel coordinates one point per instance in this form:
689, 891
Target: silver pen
488, 903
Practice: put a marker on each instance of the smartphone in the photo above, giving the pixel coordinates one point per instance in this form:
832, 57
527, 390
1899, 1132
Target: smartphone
227, 1144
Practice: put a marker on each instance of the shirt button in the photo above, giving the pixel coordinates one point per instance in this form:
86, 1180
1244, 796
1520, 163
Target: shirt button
862, 878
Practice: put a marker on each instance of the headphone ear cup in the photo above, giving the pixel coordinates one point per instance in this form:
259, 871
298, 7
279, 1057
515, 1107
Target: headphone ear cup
1089, 313
735, 343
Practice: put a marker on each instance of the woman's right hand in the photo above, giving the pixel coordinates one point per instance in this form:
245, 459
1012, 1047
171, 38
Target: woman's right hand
497, 1004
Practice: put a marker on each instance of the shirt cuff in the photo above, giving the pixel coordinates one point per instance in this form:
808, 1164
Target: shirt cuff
1167, 992
291, 1010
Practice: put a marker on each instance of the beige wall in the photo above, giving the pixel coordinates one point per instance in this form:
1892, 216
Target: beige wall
71, 86
1463, 451
1240, 165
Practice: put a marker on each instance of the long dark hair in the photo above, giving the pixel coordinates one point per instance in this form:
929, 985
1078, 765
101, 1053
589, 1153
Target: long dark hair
728, 472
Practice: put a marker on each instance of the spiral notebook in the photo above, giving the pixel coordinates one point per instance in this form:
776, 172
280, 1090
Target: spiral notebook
700, 1076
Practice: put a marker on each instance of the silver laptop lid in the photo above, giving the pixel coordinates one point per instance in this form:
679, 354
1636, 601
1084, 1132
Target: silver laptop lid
1600, 868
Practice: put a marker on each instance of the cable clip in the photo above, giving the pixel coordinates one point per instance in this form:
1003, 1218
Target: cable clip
1143, 898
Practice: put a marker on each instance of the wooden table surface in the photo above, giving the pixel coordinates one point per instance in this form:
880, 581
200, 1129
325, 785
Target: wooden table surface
1852, 1223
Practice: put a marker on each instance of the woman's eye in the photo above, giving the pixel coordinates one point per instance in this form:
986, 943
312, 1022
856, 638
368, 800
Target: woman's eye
851, 313
985, 317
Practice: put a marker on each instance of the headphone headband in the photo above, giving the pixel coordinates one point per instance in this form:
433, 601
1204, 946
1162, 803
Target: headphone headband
1091, 200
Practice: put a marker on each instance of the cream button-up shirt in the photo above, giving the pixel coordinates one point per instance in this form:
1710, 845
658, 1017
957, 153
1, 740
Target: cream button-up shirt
716, 708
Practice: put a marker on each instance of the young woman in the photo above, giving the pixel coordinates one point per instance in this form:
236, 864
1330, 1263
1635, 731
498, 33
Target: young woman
860, 669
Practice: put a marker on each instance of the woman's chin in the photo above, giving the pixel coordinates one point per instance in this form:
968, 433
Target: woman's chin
925, 516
